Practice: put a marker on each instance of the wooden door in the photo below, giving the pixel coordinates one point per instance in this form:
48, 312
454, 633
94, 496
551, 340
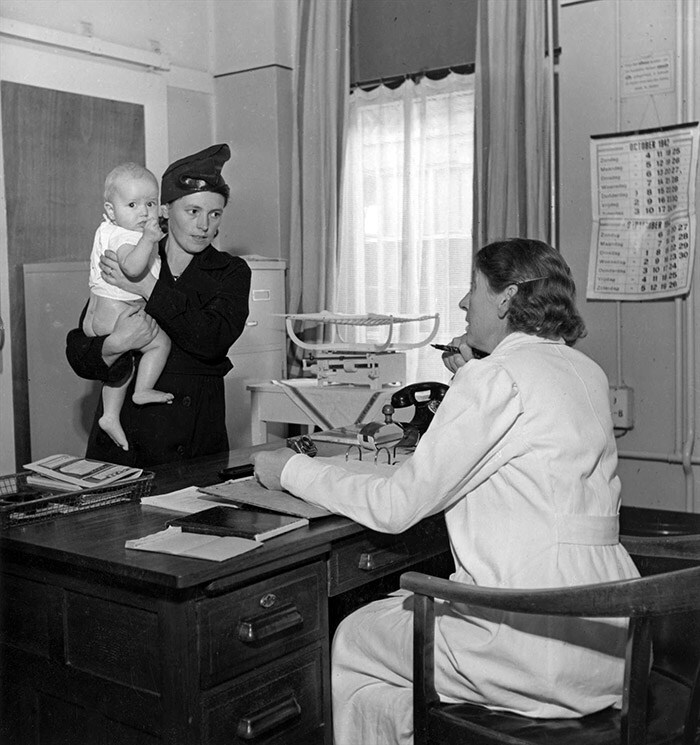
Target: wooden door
58, 148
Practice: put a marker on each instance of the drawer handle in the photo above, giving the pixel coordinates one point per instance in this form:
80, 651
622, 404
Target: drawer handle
260, 722
254, 629
380, 558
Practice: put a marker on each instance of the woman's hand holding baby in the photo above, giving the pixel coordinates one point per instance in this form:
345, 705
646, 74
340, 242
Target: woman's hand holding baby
133, 329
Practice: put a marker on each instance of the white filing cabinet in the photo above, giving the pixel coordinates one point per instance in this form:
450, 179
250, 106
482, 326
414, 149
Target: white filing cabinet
260, 352
61, 405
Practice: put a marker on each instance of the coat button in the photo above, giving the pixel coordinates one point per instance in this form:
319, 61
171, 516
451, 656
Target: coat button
186, 401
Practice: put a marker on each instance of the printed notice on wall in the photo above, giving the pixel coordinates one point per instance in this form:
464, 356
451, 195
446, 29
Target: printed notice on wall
643, 198
643, 76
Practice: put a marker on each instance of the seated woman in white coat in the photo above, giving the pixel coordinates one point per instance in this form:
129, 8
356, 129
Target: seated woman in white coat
521, 458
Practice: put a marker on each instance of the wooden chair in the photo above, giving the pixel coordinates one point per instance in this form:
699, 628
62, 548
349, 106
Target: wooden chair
657, 706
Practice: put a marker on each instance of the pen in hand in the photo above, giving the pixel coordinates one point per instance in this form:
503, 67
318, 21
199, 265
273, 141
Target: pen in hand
446, 348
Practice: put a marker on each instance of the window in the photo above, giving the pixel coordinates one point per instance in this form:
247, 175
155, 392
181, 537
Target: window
406, 210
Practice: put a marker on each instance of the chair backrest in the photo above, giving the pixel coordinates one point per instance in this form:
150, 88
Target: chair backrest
638, 599
658, 594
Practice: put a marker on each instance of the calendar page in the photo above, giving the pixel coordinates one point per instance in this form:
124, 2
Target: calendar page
643, 198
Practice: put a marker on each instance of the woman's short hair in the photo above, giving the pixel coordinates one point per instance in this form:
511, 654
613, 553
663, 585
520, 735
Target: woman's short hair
545, 303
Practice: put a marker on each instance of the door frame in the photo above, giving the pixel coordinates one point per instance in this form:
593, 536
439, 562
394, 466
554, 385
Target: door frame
33, 64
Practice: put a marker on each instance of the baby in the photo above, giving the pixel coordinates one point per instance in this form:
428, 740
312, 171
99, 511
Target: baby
130, 229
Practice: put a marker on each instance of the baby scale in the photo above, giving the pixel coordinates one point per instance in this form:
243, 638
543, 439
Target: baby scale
373, 364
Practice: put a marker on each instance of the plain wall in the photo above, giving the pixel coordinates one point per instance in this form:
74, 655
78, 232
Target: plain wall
592, 37
254, 113
266, 34
180, 28
253, 79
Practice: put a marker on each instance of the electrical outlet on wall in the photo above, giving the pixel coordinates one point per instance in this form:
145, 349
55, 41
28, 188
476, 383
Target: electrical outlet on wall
622, 406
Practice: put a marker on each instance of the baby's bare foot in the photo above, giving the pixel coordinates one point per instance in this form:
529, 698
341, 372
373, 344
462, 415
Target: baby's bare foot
114, 429
151, 396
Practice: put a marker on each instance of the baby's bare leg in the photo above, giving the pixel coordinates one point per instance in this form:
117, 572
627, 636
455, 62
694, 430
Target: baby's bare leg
112, 401
154, 357
101, 315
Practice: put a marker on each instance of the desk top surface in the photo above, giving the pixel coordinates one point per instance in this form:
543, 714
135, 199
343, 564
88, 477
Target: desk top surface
94, 541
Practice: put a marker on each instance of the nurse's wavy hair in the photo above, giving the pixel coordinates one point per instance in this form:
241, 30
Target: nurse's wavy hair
545, 303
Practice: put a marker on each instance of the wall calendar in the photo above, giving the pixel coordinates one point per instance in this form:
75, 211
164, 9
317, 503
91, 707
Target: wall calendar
643, 198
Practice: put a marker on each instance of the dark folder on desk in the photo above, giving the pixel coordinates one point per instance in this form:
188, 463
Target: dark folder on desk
226, 521
248, 493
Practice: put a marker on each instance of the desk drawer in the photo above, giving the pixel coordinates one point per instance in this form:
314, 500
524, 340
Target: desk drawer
256, 624
282, 703
358, 560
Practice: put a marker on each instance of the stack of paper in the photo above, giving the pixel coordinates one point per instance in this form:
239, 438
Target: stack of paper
248, 493
186, 500
68, 472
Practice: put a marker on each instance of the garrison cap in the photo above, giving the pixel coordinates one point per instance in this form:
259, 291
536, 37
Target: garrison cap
193, 173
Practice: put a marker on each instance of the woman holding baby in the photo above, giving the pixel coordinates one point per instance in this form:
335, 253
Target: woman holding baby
199, 299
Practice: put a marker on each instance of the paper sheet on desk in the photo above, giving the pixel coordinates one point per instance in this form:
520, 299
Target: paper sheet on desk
183, 500
193, 545
249, 492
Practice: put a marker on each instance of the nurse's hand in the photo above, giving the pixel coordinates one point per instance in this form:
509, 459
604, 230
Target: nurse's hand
454, 360
113, 275
268, 466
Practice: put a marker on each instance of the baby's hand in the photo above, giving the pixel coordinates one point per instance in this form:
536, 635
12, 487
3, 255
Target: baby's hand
152, 231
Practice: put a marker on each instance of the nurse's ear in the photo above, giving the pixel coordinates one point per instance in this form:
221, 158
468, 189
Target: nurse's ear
504, 301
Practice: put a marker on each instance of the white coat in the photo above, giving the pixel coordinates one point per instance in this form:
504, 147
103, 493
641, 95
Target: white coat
521, 457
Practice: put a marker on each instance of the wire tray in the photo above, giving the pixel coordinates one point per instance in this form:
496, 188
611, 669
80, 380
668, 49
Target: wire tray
22, 503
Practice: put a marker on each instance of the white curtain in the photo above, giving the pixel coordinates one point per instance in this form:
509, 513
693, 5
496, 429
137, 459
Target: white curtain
406, 209
513, 131
321, 82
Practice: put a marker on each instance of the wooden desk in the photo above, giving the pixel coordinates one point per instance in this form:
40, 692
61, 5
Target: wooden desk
103, 644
